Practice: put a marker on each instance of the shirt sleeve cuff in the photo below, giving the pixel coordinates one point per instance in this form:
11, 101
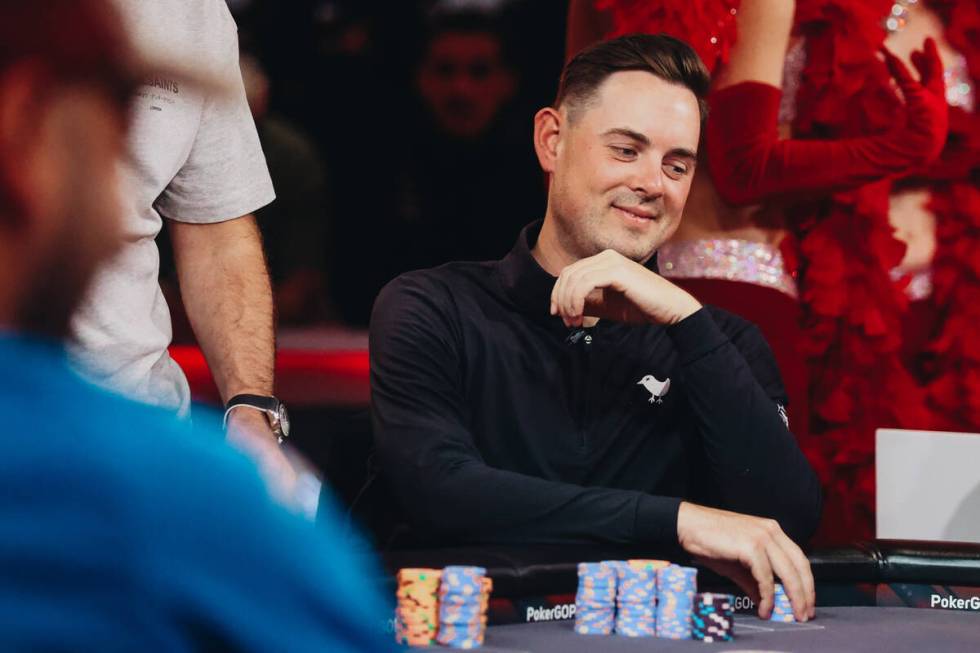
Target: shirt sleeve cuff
656, 519
695, 336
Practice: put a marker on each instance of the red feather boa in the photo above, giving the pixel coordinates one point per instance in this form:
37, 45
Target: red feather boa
853, 309
708, 26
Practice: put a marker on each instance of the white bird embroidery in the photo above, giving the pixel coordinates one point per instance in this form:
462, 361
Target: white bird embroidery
657, 389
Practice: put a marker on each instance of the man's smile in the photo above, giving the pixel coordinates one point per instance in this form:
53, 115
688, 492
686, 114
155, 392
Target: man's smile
636, 214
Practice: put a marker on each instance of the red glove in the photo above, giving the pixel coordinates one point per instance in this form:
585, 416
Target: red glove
748, 161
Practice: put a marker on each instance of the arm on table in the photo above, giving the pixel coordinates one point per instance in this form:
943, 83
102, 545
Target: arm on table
430, 457
728, 406
754, 463
734, 392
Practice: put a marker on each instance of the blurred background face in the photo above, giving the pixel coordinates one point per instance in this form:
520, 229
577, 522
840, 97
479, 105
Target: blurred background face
624, 166
77, 221
464, 82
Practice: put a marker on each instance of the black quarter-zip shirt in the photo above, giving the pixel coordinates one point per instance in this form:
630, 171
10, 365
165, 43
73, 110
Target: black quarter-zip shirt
496, 423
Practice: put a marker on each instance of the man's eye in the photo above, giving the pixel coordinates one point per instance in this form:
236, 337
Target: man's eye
675, 170
624, 152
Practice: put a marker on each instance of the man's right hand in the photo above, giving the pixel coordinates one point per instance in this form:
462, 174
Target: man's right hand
751, 551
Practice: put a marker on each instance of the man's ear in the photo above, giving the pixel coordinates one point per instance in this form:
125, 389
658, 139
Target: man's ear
547, 134
21, 123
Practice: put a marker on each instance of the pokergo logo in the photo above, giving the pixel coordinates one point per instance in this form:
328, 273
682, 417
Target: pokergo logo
557, 613
954, 603
743, 604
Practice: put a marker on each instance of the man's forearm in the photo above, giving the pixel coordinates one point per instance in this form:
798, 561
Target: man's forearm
228, 298
470, 500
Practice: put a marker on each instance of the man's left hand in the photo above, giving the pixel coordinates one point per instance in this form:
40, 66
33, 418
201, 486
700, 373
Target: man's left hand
611, 286
249, 431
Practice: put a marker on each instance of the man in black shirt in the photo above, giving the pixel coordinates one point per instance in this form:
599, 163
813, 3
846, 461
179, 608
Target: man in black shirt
569, 392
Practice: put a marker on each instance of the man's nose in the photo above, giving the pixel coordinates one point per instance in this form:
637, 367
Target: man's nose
649, 177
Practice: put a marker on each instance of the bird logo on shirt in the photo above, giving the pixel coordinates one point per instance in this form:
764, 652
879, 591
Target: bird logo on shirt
657, 388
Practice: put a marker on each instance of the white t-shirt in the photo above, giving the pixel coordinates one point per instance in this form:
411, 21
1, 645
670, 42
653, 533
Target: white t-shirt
193, 159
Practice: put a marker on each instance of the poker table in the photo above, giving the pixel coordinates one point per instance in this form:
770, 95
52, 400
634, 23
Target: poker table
877, 597
882, 596
834, 629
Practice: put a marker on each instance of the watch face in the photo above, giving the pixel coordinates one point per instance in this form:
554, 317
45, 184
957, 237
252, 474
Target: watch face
283, 419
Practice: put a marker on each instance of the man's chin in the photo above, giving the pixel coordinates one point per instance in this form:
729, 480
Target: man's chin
635, 246
631, 250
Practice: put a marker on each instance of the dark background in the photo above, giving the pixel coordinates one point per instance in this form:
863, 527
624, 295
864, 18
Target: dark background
370, 179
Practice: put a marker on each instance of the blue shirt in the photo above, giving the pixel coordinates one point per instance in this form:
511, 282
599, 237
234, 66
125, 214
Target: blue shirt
122, 529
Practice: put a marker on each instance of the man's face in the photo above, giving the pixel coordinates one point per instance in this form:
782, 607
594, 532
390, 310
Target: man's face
464, 82
78, 210
624, 165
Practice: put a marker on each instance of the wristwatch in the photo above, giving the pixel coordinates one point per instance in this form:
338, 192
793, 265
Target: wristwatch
275, 411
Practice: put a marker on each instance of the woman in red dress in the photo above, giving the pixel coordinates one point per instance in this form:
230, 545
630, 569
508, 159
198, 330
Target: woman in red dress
742, 257
892, 331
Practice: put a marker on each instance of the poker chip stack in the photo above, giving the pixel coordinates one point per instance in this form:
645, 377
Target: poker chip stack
417, 612
595, 602
676, 588
713, 617
781, 608
464, 595
636, 597
648, 564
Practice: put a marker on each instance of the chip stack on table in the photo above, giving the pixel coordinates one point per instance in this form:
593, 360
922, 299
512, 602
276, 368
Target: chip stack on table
676, 588
417, 613
782, 610
595, 602
648, 564
636, 597
713, 617
464, 595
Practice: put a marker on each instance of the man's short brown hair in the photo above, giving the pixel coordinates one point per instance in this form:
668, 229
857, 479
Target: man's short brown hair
658, 54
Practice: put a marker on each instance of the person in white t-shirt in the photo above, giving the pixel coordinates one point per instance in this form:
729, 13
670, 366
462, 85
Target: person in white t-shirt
196, 161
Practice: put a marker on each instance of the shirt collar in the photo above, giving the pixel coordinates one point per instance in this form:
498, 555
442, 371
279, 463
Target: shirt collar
526, 283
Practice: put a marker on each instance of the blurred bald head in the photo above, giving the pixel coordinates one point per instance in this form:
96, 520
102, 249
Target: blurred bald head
66, 76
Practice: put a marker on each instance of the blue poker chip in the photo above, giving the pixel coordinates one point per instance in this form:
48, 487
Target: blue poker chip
676, 590
782, 609
595, 601
463, 595
636, 599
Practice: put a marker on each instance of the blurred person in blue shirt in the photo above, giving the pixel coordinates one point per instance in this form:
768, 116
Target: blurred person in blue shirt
113, 533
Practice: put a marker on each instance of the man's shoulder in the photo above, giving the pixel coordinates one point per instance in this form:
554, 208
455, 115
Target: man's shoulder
441, 303
439, 285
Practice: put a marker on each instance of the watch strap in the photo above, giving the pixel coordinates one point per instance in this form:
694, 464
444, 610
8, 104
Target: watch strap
268, 405
258, 401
